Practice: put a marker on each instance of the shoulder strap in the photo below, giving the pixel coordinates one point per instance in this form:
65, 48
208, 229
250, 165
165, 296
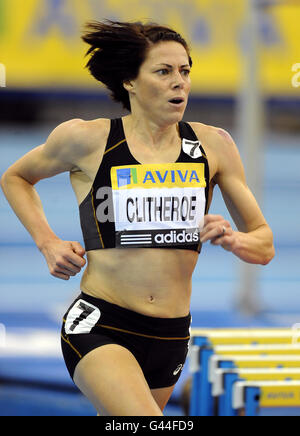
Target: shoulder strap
187, 132
116, 133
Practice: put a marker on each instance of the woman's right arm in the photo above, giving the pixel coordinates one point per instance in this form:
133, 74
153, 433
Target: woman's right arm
59, 154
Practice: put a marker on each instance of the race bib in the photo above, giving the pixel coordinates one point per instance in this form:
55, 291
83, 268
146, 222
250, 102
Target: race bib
82, 318
158, 205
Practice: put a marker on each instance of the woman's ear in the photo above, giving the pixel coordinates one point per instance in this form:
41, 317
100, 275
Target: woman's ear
128, 85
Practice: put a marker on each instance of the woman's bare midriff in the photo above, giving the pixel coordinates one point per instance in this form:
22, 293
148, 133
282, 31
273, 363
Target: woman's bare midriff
153, 282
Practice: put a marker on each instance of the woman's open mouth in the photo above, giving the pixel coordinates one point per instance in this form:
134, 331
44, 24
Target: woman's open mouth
177, 102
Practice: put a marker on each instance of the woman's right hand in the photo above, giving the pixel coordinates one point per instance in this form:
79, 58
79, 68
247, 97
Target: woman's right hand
65, 259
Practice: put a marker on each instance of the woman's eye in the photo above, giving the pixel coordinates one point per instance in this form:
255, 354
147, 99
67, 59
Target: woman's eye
163, 72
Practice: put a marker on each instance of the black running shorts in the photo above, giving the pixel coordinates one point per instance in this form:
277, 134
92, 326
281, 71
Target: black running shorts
160, 345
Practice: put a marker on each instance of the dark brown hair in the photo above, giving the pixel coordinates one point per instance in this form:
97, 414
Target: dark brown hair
119, 49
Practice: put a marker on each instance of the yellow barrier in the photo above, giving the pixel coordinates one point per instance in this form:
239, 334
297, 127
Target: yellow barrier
40, 40
273, 394
245, 336
257, 349
270, 374
257, 374
250, 361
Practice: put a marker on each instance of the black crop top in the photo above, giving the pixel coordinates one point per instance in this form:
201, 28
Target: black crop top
151, 206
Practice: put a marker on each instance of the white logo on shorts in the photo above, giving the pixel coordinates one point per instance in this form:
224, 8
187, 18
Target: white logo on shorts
178, 369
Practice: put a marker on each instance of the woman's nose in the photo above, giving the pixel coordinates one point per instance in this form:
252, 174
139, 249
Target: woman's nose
178, 82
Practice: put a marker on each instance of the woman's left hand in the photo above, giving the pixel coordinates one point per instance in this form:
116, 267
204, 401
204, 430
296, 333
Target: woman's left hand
218, 231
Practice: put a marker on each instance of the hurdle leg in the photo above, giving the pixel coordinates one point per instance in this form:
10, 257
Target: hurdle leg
252, 399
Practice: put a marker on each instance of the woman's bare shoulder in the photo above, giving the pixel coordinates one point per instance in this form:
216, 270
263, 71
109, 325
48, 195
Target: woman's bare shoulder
218, 144
210, 132
83, 131
80, 137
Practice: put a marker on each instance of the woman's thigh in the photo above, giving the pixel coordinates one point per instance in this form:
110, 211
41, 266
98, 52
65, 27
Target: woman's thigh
111, 378
162, 396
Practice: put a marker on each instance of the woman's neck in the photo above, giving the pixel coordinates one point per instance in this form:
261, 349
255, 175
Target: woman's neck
153, 134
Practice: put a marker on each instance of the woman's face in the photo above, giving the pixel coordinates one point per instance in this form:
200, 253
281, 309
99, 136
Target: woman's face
162, 87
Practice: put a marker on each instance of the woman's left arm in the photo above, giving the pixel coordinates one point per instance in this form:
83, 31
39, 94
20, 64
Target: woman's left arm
253, 242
